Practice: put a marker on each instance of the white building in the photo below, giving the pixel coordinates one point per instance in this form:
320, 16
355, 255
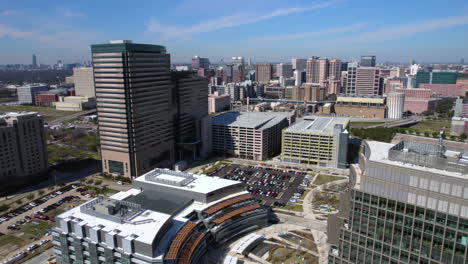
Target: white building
167, 217
27, 93
84, 81
395, 105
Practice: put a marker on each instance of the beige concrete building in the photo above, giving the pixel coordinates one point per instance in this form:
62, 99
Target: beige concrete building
263, 72
250, 135
84, 81
314, 92
218, 103
75, 103
133, 92
23, 150
363, 80
334, 69
367, 107
321, 141
317, 70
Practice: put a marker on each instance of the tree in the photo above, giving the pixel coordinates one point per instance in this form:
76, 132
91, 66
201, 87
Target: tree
41, 192
19, 201
4, 207
463, 136
30, 196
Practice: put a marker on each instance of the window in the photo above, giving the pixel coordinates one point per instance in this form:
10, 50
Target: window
116, 167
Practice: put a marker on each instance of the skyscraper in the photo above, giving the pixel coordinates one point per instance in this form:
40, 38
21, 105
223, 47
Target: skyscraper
23, 151
198, 62
263, 72
363, 80
334, 69
34, 61
133, 94
368, 61
84, 81
299, 64
317, 70
407, 203
284, 70
238, 60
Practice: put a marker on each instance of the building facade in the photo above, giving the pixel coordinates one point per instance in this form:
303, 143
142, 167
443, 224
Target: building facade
284, 70
321, 141
317, 70
84, 82
359, 106
27, 94
368, 61
299, 64
218, 103
395, 105
198, 62
363, 80
167, 217
407, 204
134, 106
263, 72
334, 69
251, 135
23, 151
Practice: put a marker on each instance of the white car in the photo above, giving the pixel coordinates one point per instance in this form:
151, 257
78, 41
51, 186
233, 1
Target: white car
119, 182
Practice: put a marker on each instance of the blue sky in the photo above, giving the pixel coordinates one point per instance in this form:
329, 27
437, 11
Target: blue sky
270, 30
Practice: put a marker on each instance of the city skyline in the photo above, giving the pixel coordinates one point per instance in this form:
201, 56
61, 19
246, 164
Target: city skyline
397, 33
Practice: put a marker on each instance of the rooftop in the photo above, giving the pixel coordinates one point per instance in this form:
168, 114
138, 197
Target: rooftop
315, 124
185, 181
256, 120
420, 156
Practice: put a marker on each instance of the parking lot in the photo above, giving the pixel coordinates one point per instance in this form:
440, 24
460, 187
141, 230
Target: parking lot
274, 186
25, 230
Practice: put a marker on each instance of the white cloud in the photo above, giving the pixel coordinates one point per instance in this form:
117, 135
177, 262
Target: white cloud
170, 32
7, 31
70, 13
328, 31
397, 32
8, 13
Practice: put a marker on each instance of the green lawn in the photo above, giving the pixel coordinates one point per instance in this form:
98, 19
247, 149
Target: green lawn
434, 125
59, 154
36, 230
291, 207
287, 255
10, 240
321, 179
48, 112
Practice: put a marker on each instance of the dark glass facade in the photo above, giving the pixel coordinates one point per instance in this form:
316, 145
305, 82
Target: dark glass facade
380, 230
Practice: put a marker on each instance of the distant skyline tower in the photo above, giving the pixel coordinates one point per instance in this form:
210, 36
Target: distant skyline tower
368, 61
462, 61
34, 61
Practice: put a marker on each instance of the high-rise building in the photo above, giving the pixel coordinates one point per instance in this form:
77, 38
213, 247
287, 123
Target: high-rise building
367, 61
27, 93
284, 70
321, 141
166, 217
34, 61
263, 72
299, 64
134, 106
317, 70
363, 80
191, 112
238, 60
407, 203
84, 82
314, 92
198, 62
334, 69
395, 105
23, 151
299, 77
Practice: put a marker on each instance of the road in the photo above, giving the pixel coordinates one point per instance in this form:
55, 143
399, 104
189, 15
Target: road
41, 258
398, 123
70, 116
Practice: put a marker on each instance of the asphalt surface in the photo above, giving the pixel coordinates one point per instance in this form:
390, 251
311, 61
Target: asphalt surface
291, 184
41, 258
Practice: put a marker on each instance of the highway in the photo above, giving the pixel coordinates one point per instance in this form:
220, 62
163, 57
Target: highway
397, 123
70, 116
